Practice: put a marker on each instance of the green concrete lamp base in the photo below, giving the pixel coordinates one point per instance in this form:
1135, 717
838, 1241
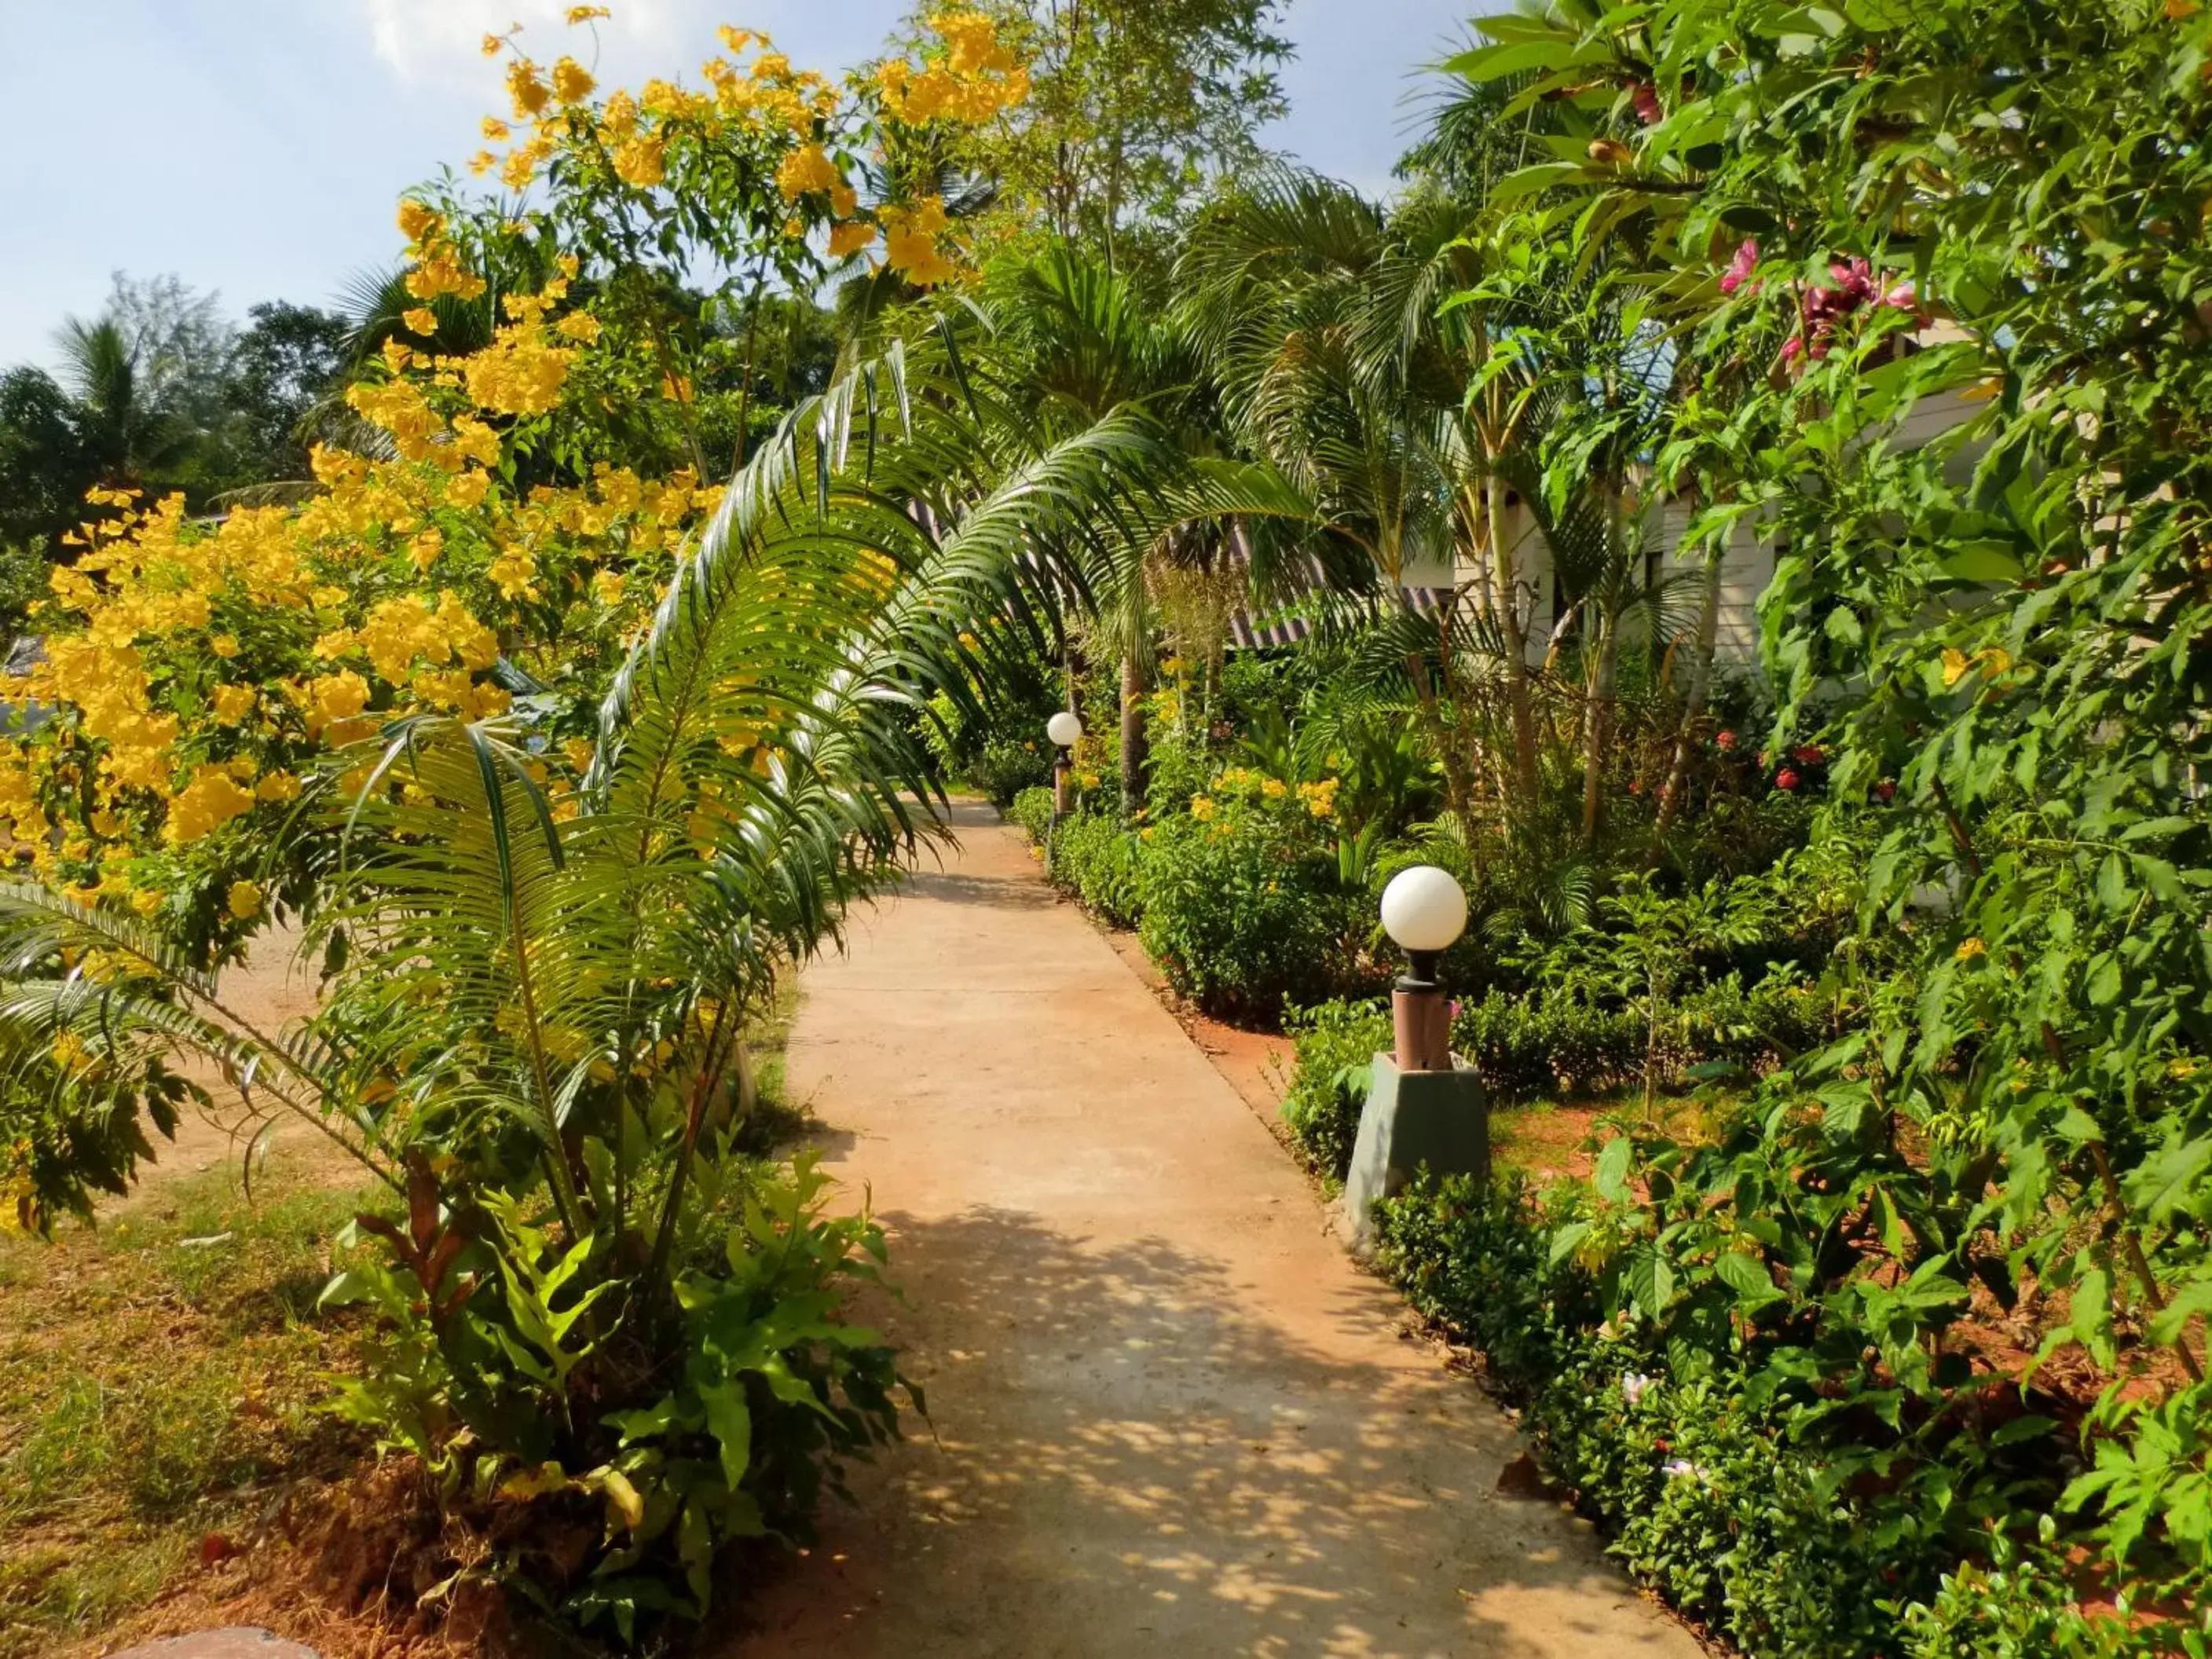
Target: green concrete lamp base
1439, 1121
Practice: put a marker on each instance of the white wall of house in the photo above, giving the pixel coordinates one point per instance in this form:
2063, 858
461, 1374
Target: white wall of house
1746, 568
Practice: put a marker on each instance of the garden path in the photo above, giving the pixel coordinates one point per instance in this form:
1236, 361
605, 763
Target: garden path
1168, 1415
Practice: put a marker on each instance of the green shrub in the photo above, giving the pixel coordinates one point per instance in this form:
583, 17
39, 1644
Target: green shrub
1104, 864
2021, 1605
1244, 914
487, 1324
1032, 808
1698, 1480
1089, 854
1004, 766
1336, 1044
1526, 1047
1001, 759
1533, 1046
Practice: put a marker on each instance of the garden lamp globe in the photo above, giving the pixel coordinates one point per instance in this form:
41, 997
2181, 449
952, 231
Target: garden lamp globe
1424, 911
1064, 729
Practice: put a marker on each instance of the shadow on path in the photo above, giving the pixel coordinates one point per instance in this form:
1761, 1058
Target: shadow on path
1125, 1458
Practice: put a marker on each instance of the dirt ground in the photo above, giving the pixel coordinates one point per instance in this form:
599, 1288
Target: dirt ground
271, 988
1167, 1415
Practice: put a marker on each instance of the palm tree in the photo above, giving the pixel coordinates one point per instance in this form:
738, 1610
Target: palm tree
123, 431
1318, 315
1420, 377
542, 992
1077, 341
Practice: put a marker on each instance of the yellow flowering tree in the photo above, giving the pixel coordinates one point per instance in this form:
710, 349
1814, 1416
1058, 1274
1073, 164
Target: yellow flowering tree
513, 509
688, 205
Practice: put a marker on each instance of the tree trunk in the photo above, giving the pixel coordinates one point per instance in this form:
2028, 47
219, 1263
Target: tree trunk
1132, 732
1597, 724
1520, 698
1693, 696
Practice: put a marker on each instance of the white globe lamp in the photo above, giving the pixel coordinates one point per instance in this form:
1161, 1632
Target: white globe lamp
1424, 911
1064, 729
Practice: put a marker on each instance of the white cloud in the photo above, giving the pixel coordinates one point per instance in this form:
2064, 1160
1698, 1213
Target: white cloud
431, 39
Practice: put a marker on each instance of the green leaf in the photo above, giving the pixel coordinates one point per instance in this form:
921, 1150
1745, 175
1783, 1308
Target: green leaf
2173, 1320
1566, 1239
2103, 986
2170, 1181
1611, 1175
2093, 1315
1748, 1276
1983, 561
1651, 1282
731, 1422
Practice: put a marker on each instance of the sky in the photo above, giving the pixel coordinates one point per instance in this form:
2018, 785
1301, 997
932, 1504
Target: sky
257, 147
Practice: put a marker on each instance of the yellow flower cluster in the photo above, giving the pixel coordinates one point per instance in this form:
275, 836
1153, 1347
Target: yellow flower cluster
211, 800
520, 372
973, 79
805, 169
969, 75
910, 242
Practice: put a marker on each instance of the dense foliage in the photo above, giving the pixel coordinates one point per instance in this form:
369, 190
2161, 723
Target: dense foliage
1864, 219
1880, 1324
1707, 1487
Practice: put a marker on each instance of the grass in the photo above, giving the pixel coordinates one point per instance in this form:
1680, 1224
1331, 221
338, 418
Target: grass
160, 1379
776, 1120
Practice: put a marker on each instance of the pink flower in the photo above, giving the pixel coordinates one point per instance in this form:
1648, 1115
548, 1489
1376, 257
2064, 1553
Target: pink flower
1647, 105
1792, 349
1855, 280
1903, 297
1740, 267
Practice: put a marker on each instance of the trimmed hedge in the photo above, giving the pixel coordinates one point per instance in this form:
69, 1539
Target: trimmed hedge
1088, 855
1697, 1484
1241, 917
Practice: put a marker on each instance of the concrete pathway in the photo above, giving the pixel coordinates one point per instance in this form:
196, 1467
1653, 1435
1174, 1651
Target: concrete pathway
1170, 1417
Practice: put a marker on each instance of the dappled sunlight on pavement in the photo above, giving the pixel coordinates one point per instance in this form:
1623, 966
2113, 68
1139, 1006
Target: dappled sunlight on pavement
1167, 1414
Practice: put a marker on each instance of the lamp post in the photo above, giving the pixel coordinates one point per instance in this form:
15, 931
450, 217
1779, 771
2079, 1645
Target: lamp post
1424, 911
1064, 729
1425, 1107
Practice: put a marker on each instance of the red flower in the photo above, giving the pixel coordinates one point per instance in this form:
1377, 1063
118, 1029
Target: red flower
1647, 105
1808, 755
1885, 792
1785, 779
1854, 280
1723, 739
1740, 267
